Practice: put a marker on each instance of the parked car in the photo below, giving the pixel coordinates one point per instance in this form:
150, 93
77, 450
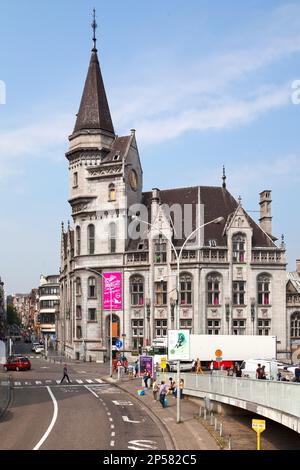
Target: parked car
39, 349
17, 363
34, 345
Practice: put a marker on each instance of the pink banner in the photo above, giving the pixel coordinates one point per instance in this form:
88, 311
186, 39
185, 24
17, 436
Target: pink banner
112, 291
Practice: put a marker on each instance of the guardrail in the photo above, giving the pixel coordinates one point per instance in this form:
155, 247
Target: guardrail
279, 401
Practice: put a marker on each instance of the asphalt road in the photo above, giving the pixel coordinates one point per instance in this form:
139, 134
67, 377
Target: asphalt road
87, 414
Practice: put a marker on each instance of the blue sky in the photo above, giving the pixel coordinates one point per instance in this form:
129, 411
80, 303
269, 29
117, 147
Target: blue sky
203, 82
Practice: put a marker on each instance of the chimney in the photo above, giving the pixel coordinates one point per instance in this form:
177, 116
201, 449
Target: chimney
156, 195
298, 266
265, 211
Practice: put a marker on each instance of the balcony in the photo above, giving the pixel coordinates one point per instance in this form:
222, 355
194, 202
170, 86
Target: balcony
188, 256
268, 257
293, 300
213, 256
137, 258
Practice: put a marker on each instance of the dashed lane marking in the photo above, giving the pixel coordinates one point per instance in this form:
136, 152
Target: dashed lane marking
122, 403
142, 444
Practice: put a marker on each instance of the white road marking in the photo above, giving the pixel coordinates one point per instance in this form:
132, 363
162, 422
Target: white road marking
48, 381
79, 381
122, 403
110, 419
112, 443
127, 420
89, 381
113, 434
27, 383
112, 426
142, 445
38, 382
92, 391
108, 414
4, 382
100, 381
17, 383
58, 381
54, 418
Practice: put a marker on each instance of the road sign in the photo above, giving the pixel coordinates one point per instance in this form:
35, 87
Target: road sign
219, 353
258, 425
163, 362
119, 343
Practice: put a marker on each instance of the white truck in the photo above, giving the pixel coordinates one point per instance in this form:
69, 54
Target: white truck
231, 348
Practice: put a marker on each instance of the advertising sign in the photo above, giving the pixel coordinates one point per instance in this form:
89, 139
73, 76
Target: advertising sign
146, 363
112, 291
179, 345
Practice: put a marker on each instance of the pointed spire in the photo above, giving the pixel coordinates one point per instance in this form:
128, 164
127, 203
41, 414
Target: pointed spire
240, 201
94, 111
224, 178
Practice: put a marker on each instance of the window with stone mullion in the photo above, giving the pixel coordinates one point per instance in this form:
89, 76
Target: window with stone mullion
137, 291
239, 291
160, 251
186, 290
263, 291
161, 293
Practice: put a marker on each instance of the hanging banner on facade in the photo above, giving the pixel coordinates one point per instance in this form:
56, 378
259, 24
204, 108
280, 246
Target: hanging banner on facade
179, 345
112, 291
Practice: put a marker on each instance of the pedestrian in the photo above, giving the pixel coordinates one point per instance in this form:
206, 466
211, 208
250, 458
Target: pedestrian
263, 373
193, 365
172, 386
211, 366
198, 367
238, 371
65, 374
258, 371
136, 368
146, 378
162, 393
115, 365
155, 389
125, 364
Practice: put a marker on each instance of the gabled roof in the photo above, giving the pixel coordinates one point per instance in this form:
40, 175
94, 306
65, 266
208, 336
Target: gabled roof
119, 148
94, 111
294, 279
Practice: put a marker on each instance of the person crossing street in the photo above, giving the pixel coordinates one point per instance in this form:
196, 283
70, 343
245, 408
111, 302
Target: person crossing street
65, 374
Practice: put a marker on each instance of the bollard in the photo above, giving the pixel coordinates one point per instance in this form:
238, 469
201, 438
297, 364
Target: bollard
221, 429
229, 443
211, 419
205, 414
200, 411
216, 424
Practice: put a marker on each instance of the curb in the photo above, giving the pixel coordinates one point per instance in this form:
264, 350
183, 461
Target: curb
170, 442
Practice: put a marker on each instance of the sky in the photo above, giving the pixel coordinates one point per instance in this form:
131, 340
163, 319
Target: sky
205, 83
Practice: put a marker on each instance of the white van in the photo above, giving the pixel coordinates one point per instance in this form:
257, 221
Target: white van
250, 365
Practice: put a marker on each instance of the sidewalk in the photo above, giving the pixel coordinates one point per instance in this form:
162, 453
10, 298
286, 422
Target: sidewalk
187, 435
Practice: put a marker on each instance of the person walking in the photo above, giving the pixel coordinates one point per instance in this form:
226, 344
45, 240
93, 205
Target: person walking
65, 374
136, 368
198, 367
162, 393
258, 371
155, 389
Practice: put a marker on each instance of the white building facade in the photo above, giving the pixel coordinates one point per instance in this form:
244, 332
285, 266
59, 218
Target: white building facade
232, 275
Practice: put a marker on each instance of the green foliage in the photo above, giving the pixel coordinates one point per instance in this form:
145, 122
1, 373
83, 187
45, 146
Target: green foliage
12, 316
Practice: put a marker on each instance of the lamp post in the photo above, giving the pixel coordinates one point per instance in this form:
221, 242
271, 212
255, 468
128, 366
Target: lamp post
111, 316
178, 259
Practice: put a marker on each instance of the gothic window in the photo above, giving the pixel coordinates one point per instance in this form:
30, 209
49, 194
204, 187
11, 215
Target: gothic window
111, 192
213, 289
78, 240
295, 325
92, 314
186, 289
239, 327
238, 248
239, 291
92, 287
137, 290
91, 239
78, 312
160, 251
264, 327
263, 289
78, 286
161, 293
213, 327
161, 328
78, 332
112, 237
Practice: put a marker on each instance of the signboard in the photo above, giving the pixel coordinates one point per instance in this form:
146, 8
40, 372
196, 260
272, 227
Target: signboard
163, 362
258, 425
179, 345
119, 344
146, 363
112, 291
219, 353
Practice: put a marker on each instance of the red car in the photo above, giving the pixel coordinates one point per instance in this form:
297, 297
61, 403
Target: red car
17, 363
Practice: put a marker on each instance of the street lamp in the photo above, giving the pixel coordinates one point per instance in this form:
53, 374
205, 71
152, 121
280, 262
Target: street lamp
178, 259
111, 316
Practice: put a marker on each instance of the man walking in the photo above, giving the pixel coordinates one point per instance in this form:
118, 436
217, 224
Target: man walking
65, 374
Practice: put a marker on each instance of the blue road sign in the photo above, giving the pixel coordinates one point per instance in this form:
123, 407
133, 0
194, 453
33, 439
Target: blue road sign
119, 344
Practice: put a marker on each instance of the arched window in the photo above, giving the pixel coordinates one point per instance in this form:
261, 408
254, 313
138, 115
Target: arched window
295, 325
238, 248
137, 290
185, 289
213, 289
92, 287
78, 240
78, 286
112, 237
91, 239
111, 192
263, 289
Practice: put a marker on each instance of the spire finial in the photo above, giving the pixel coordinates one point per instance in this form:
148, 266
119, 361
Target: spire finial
94, 26
224, 178
240, 200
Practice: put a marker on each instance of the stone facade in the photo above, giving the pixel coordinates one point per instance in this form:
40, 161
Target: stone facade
232, 276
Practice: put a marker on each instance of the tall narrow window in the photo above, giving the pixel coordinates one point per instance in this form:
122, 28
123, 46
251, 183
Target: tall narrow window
186, 289
111, 192
91, 239
264, 327
263, 290
213, 327
239, 290
78, 240
75, 179
239, 327
78, 286
92, 287
238, 248
213, 289
160, 251
137, 290
112, 237
161, 293
161, 328
295, 325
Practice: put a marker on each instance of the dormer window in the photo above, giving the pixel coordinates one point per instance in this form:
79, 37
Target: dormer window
112, 193
116, 158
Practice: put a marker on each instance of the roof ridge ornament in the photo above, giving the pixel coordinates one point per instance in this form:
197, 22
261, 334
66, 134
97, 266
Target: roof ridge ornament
224, 178
94, 26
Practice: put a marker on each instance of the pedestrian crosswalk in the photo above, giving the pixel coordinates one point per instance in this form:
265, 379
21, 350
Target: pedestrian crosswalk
28, 383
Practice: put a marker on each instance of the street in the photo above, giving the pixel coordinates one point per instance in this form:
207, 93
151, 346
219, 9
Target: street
87, 414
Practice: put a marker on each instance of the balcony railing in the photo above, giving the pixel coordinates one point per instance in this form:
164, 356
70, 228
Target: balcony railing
137, 258
267, 257
213, 256
293, 299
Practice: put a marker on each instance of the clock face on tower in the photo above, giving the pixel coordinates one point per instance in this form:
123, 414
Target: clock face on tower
133, 180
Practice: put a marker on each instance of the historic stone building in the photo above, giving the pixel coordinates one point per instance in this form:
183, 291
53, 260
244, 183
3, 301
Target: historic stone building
232, 274
293, 312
